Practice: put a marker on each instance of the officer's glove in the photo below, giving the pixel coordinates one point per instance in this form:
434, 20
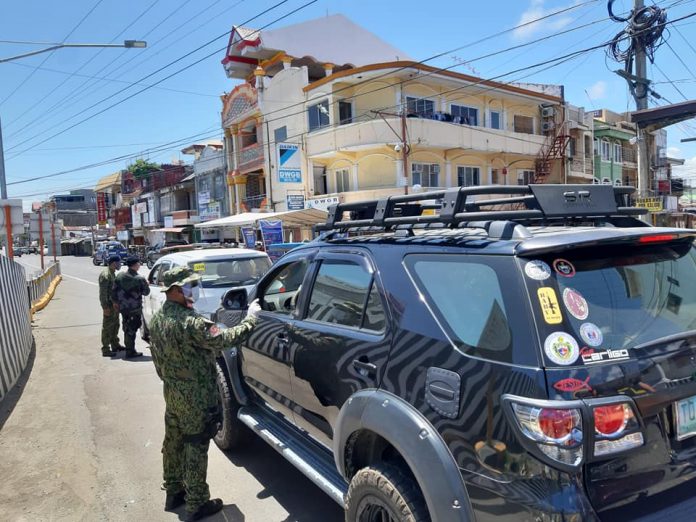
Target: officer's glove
254, 309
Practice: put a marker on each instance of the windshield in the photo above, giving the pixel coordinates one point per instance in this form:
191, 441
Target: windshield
231, 272
611, 298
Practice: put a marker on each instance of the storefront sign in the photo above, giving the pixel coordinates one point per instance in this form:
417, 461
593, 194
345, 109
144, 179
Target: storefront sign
249, 237
296, 201
652, 204
136, 217
321, 203
289, 163
203, 198
122, 235
271, 231
210, 211
168, 221
101, 208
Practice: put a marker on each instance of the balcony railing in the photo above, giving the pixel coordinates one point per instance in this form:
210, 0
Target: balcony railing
254, 202
250, 156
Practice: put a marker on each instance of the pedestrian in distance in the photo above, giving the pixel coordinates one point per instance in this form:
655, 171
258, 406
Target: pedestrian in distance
184, 349
129, 289
110, 322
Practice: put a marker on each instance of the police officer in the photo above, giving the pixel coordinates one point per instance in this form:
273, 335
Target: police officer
109, 335
184, 348
128, 292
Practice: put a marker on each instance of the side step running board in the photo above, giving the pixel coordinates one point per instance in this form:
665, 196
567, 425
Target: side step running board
312, 459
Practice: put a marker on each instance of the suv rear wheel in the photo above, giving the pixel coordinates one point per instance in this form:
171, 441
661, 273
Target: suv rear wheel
232, 433
384, 493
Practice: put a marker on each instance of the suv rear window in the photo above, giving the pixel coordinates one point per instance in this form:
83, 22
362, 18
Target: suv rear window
479, 302
618, 297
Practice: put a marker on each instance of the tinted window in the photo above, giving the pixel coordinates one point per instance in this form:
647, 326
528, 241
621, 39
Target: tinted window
374, 311
339, 293
281, 292
478, 311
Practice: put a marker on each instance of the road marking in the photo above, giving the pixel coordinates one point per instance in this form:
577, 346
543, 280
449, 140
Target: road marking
82, 280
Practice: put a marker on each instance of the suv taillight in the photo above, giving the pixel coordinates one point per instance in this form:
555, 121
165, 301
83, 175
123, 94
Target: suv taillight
560, 430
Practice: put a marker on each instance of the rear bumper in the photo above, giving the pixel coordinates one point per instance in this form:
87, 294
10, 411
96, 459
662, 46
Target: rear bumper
677, 504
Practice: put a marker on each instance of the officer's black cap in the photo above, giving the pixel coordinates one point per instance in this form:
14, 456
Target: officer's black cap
114, 259
131, 261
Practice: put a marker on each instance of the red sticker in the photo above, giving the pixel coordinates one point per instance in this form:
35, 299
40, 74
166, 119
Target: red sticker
564, 267
576, 304
573, 385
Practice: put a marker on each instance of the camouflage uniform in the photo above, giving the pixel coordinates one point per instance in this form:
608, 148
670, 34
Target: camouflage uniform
110, 323
184, 347
129, 289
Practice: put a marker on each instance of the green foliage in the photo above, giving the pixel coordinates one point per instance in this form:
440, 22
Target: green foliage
141, 168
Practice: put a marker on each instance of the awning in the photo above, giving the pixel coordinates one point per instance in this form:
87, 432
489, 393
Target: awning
173, 230
298, 218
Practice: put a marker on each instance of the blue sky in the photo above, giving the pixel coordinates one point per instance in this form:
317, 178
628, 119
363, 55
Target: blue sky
33, 108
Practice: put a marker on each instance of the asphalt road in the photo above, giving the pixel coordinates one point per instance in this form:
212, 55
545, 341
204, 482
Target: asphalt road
80, 436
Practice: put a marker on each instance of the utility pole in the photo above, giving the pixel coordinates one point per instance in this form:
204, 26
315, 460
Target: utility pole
404, 146
641, 98
3, 183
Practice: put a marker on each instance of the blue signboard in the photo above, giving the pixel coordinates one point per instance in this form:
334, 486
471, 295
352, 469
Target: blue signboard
249, 237
271, 231
289, 167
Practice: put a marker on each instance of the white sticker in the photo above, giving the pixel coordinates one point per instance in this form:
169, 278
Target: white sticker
591, 334
561, 348
537, 270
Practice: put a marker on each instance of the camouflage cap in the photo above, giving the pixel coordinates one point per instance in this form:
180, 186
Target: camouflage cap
178, 276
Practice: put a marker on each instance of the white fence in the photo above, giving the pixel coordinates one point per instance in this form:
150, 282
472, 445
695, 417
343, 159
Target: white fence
16, 339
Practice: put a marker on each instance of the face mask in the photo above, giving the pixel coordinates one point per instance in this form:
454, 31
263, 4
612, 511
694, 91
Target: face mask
191, 293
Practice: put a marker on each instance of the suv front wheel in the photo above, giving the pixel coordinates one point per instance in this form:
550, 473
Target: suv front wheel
232, 433
385, 492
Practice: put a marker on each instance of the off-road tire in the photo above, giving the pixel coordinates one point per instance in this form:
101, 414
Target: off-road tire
232, 433
389, 488
150, 263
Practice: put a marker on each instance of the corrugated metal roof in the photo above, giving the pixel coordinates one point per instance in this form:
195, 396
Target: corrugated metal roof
108, 181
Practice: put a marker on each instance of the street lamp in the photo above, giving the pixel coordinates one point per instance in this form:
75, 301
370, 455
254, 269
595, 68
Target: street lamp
128, 44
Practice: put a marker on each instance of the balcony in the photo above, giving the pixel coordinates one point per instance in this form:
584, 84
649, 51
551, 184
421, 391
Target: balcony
427, 133
250, 157
254, 202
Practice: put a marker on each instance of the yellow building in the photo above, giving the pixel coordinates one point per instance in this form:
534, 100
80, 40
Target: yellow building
321, 120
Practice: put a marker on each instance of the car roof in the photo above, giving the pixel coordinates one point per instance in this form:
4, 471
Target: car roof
213, 254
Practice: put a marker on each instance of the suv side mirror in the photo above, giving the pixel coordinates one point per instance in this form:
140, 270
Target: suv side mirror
235, 299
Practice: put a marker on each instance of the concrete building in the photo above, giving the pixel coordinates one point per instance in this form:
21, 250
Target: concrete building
77, 208
328, 112
616, 160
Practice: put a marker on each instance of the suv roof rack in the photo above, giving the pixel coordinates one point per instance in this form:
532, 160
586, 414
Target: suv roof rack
463, 207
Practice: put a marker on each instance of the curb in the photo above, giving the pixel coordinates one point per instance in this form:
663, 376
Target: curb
41, 303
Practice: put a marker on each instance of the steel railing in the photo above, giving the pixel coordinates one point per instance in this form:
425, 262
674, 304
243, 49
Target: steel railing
38, 286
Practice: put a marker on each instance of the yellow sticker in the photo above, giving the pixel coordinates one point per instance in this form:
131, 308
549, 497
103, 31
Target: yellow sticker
549, 306
199, 267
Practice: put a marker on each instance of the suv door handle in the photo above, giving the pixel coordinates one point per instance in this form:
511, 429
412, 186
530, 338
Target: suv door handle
365, 367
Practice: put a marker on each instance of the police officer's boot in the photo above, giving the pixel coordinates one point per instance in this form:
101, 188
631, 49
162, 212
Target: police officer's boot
174, 500
211, 507
130, 354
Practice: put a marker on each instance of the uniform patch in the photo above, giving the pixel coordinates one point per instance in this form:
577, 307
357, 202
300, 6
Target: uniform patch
561, 348
549, 306
216, 329
564, 267
575, 304
537, 270
591, 334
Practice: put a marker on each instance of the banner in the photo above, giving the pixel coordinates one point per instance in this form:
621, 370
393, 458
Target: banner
295, 201
101, 208
271, 232
249, 237
652, 204
289, 163
322, 203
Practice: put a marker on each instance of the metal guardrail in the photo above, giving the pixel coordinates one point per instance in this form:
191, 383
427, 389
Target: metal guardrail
38, 286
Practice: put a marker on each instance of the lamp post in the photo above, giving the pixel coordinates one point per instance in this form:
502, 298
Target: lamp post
128, 44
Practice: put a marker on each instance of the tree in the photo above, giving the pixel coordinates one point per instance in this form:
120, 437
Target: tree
141, 168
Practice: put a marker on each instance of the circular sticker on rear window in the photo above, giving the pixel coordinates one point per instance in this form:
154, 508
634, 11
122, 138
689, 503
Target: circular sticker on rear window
564, 267
591, 334
537, 270
561, 348
576, 304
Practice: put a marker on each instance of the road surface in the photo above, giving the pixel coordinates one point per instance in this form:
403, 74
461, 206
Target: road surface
80, 436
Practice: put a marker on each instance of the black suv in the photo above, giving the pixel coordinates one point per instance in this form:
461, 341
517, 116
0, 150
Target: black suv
483, 353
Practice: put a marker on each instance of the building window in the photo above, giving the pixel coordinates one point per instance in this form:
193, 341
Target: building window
606, 151
572, 147
525, 177
280, 134
342, 180
421, 107
464, 115
496, 120
617, 153
249, 136
345, 112
524, 124
425, 174
318, 115
468, 176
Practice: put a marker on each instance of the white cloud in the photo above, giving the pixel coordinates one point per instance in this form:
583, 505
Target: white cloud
598, 90
688, 170
673, 152
534, 11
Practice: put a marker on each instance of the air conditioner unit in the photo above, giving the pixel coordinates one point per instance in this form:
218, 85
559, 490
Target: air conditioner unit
548, 112
547, 126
